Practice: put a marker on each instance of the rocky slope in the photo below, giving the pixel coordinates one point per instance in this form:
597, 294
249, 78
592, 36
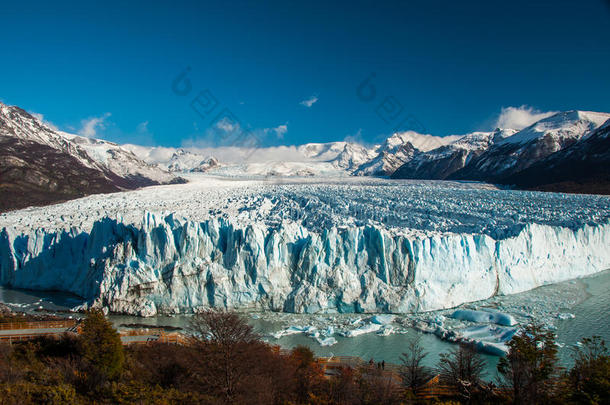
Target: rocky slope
399, 149
521, 150
40, 165
443, 161
583, 167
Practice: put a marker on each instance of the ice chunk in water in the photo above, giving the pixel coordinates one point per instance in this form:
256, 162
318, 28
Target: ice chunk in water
499, 318
383, 319
366, 328
329, 341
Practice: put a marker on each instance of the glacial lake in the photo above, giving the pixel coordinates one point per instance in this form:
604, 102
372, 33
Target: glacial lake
574, 309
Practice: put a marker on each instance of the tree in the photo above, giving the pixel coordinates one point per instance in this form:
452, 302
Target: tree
100, 346
343, 388
590, 377
462, 368
307, 374
530, 365
412, 371
230, 347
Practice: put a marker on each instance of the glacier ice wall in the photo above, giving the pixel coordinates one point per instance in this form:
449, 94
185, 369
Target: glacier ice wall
171, 265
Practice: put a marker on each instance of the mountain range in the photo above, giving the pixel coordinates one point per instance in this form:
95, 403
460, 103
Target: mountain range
40, 165
566, 152
502, 156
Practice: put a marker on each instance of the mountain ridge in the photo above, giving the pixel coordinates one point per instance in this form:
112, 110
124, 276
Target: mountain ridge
40, 165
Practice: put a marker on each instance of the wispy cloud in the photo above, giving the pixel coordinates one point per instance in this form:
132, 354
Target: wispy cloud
227, 126
520, 117
235, 154
90, 126
309, 102
40, 117
280, 130
142, 127
355, 138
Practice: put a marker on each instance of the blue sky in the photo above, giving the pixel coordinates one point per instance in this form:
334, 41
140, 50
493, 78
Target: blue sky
290, 71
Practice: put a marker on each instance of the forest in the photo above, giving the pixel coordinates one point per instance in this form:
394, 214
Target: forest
224, 362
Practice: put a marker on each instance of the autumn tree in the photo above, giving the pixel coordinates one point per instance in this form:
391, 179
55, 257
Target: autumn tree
343, 387
228, 346
530, 365
462, 368
307, 373
413, 373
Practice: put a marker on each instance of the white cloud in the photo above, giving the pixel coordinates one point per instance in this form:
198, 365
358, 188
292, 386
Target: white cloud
355, 138
90, 126
520, 117
142, 127
309, 102
240, 155
280, 130
226, 125
40, 118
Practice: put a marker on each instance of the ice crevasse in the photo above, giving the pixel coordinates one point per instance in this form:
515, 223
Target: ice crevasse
172, 265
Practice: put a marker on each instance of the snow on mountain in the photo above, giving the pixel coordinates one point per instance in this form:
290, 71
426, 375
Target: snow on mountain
353, 156
41, 165
18, 123
174, 159
278, 169
524, 148
108, 157
445, 160
113, 158
311, 159
346, 245
569, 125
387, 161
581, 167
399, 149
421, 142
322, 151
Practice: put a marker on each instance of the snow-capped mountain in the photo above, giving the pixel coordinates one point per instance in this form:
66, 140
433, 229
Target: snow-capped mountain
582, 167
174, 159
519, 151
311, 159
399, 149
419, 141
353, 156
445, 160
65, 165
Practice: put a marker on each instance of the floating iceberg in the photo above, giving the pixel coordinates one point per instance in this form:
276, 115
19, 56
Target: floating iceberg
328, 341
387, 330
488, 338
383, 319
291, 330
366, 328
484, 317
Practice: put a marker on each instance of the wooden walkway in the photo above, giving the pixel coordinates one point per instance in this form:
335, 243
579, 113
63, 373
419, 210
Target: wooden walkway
12, 332
431, 390
148, 336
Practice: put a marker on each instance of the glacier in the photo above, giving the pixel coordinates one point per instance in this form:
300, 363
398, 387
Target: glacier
303, 247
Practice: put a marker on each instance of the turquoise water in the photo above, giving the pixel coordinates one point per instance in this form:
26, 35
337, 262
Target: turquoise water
591, 315
588, 299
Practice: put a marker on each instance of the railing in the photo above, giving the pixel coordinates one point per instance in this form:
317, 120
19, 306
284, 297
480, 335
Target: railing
63, 323
154, 336
20, 338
